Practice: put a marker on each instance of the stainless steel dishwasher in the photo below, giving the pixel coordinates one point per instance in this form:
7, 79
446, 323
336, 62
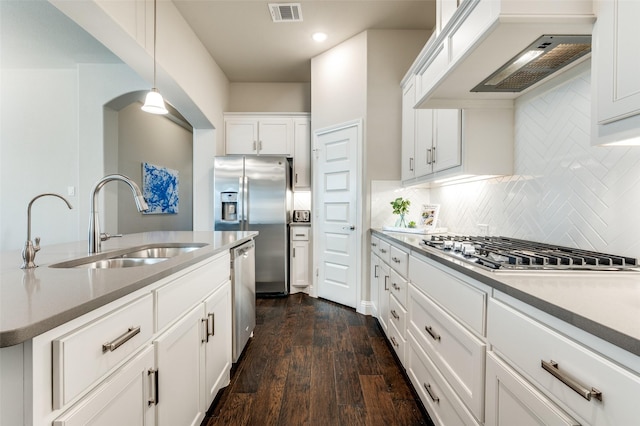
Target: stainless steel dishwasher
243, 276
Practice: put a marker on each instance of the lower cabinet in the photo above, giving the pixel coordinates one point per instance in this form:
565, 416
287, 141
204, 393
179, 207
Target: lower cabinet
126, 398
511, 400
300, 258
217, 343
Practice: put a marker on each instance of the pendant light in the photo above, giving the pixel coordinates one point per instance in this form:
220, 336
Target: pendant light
154, 103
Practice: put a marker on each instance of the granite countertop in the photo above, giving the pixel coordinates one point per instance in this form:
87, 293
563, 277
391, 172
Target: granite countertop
605, 304
37, 300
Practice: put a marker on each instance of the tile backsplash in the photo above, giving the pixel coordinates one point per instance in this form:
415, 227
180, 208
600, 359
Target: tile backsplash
564, 191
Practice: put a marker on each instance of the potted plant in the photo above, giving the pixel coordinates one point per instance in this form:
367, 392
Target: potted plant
400, 207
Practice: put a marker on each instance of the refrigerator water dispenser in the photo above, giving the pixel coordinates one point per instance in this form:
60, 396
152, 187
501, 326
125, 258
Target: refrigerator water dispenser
229, 206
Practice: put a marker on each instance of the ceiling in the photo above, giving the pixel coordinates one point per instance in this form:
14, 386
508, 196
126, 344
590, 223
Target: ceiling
249, 47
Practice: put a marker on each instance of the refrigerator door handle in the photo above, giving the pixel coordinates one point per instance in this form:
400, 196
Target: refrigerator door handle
245, 204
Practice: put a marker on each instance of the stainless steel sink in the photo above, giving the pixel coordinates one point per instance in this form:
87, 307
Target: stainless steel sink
148, 254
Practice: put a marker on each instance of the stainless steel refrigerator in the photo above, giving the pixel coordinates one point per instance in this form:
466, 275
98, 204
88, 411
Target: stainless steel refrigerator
254, 193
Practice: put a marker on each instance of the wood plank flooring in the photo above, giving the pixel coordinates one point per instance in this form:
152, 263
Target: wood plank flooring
314, 362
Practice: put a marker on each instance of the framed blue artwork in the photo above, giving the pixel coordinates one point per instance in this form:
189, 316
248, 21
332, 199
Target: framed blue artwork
160, 189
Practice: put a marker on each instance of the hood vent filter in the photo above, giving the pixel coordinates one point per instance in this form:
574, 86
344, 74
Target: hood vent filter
542, 58
285, 12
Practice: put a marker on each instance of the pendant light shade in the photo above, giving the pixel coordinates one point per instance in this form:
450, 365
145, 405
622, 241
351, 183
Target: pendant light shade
154, 103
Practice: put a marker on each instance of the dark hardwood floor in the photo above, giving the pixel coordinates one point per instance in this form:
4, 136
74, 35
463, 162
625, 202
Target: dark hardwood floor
314, 362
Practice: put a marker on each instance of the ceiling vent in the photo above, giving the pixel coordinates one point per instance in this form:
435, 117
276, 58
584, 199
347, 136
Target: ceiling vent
285, 12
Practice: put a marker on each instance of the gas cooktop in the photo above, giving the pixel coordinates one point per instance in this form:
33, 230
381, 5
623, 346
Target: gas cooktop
510, 254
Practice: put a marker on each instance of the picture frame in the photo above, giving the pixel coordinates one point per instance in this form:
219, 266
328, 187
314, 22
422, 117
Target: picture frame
429, 216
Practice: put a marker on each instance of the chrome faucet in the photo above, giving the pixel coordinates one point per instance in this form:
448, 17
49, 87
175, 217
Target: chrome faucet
30, 250
95, 237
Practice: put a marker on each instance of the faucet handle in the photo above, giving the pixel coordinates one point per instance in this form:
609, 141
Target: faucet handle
104, 236
37, 246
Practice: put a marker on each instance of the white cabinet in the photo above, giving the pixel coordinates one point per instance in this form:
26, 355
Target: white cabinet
615, 73
444, 11
127, 397
300, 258
511, 400
408, 160
258, 135
180, 359
302, 154
217, 342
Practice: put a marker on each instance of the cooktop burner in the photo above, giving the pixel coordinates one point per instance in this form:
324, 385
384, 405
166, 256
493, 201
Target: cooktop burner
510, 254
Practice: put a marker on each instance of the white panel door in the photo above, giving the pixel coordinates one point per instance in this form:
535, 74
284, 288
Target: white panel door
336, 196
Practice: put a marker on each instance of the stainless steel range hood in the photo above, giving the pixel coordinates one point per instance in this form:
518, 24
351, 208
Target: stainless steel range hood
482, 41
538, 61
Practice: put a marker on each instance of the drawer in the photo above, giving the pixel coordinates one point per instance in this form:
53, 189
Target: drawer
80, 357
458, 353
300, 233
176, 297
399, 261
384, 249
398, 287
398, 316
526, 344
397, 342
444, 407
512, 400
464, 301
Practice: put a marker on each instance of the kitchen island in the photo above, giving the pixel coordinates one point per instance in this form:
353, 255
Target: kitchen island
77, 341
483, 347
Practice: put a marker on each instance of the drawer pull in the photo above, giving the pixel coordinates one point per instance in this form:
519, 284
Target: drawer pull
375, 271
433, 396
374, 244
395, 259
433, 334
395, 314
394, 342
383, 250
153, 375
395, 286
552, 368
112, 346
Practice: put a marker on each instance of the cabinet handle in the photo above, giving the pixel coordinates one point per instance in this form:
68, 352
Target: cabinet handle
395, 259
433, 155
296, 178
153, 375
433, 334
205, 323
383, 250
374, 245
411, 164
395, 314
294, 252
301, 235
584, 391
394, 342
119, 341
260, 145
433, 396
254, 145
429, 156
212, 317
375, 271
386, 282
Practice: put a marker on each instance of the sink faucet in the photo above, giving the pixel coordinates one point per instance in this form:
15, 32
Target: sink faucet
30, 250
95, 237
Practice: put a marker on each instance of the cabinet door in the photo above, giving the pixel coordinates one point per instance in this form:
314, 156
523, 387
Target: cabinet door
513, 401
241, 136
447, 151
217, 341
408, 161
299, 263
373, 279
302, 154
122, 399
383, 294
180, 361
275, 136
424, 142
616, 59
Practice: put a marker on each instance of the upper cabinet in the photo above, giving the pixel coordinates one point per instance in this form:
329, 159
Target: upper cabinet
616, 94
258, 135
452, 143
302, 153
478, 37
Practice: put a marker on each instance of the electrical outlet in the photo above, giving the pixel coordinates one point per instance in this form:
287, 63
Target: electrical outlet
483, 228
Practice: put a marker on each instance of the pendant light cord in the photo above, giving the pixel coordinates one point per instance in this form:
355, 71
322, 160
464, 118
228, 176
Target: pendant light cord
154, 43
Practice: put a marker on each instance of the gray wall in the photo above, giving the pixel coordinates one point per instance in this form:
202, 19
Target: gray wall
269, 97
153, 139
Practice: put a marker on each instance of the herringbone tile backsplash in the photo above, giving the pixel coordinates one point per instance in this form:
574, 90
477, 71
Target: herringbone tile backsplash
564, 191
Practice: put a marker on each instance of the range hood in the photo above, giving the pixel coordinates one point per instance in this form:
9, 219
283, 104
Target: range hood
473, 60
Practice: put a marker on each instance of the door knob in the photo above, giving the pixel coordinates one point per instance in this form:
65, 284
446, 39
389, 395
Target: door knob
349, 228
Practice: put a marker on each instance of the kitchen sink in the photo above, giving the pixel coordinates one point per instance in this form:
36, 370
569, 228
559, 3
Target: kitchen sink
131, 257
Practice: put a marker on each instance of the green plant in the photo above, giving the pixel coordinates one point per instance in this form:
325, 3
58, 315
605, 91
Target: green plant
400, 206
412, 224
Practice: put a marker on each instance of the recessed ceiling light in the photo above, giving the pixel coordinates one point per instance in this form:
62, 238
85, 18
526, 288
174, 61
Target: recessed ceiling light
319, 37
